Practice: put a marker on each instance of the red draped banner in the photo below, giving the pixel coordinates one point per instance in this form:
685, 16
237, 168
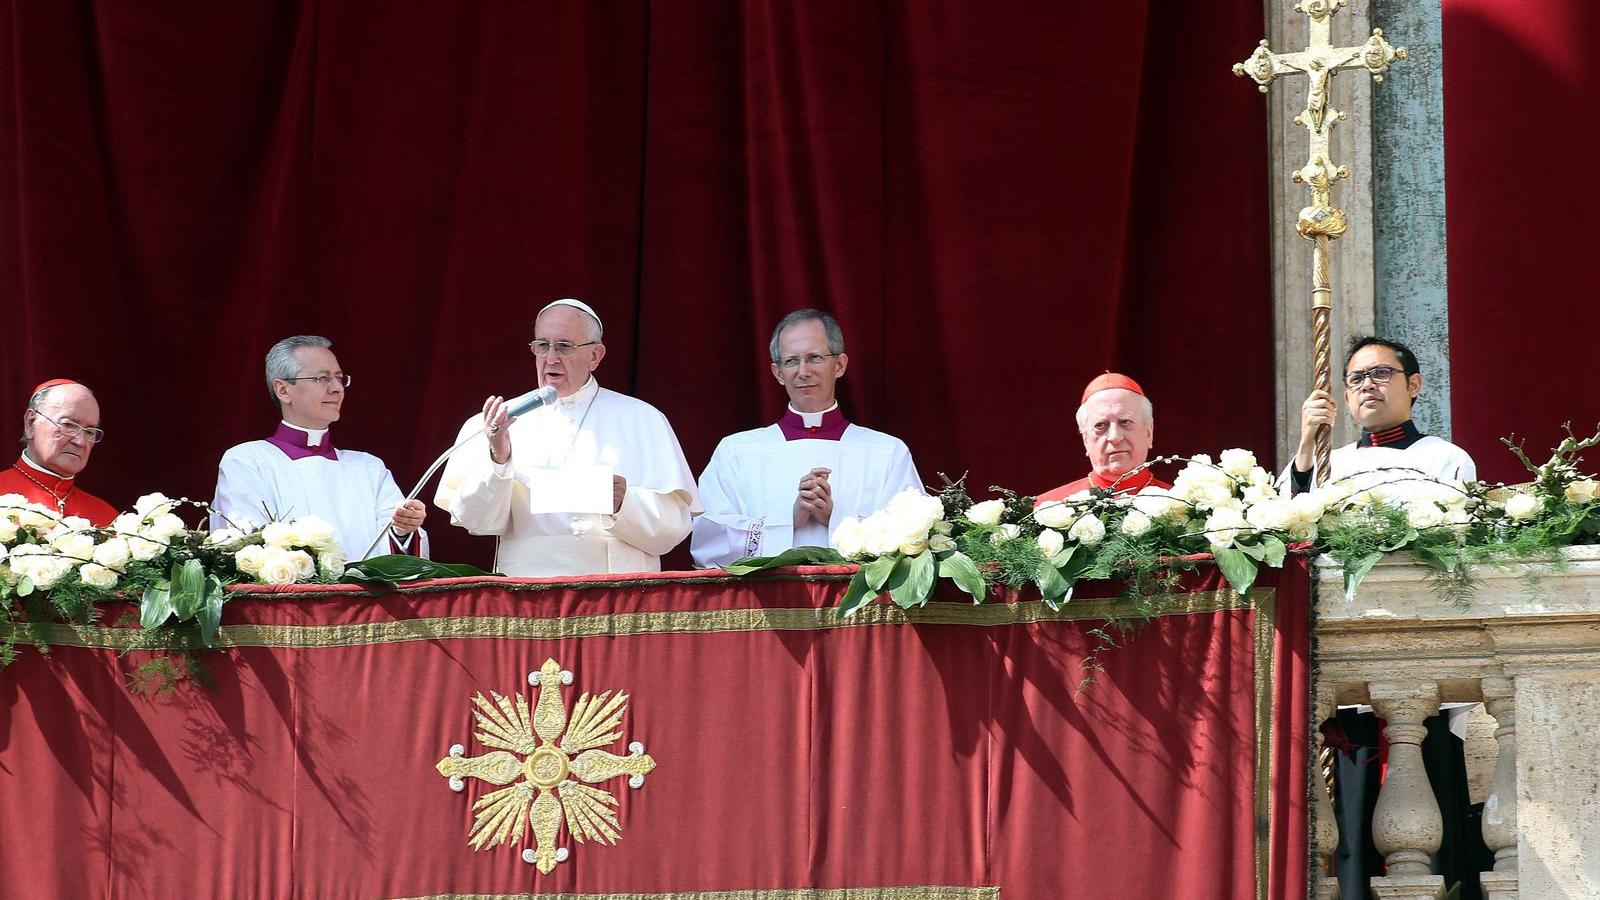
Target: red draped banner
939, 753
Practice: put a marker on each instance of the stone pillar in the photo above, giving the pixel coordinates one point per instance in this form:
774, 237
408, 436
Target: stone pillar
1558, 782
1406, 826
1500, 808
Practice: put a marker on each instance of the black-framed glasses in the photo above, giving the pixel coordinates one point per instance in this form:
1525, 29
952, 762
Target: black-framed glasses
811, 359
1379, 374
322, 381
72, 429
560, 348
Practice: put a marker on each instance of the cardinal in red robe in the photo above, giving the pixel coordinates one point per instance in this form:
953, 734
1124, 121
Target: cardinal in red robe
1118, 426
61, 427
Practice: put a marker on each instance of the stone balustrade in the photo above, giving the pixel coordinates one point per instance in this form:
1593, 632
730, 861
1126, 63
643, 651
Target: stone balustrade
1527, 645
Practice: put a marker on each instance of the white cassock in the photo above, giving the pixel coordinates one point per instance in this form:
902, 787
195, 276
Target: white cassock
297, 473
1398, 453
592, 427
750, 485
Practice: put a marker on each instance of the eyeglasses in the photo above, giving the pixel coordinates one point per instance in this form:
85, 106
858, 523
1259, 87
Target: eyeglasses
322, 381
559, 348
810, 359
70, 430
1379, 375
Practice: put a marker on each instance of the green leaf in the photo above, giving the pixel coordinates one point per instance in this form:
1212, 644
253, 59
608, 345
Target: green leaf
916, 586
794, 556
959, 568
1051, 585
1274, 551
1238, 568
1442, 558
210, 612
1357, 569
1408, 537
395, 568
857, 595
187, 593
24, 586
156, 606
879, 570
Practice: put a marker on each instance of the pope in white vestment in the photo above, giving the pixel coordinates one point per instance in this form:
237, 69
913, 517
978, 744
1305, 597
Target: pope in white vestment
587, 429
789, 484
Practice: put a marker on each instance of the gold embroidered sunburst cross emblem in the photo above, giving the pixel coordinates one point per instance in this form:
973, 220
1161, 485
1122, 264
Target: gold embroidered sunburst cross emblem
539, 770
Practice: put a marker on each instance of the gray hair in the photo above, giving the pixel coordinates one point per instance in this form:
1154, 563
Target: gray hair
281, 363
40, 397
1144, 404
830, 326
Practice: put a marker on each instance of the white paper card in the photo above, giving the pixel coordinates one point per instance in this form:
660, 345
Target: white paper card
570, 489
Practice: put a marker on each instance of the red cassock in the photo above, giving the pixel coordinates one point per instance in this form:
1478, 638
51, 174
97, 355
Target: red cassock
1131, 484
56, 493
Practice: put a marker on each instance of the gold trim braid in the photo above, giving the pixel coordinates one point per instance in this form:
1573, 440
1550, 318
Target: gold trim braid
706, 621
1266, 627
931, 892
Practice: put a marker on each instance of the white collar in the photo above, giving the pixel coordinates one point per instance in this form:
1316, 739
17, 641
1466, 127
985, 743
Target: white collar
33, 465
813, 420
314, 436
581, 395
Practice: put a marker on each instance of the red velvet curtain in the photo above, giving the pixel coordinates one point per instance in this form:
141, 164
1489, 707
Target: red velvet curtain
1521, 85
999, 200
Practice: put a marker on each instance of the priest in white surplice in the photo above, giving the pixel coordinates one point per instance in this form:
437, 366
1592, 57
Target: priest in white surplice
298, 472
788, 484
1381, 382
532, 482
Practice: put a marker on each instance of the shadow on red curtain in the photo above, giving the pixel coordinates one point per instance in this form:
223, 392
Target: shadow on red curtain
998, 201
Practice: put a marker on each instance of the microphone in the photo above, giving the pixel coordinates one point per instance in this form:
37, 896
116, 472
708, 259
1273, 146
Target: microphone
531, 401
526, 403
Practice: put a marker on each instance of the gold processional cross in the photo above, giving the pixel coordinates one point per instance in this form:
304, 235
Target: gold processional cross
1321, 222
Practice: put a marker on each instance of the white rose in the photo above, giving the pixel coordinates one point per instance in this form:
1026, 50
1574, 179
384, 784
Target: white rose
881, 538
77, 545
848, 537
1158, 503
305, 565
279, 567
1088, 531
1523, 507
9, 503
1054, 514
142, 548
96, 575
911, 546
941, 543
223, 536
127, 523
1005, 533
1259, 493
113, 554
165, 526
331, 563
1272, 515
311, 531
1051, 542
250, 559
77, 523
1135, 523
986, 513
1224, 526
151, 505
1425, 515
37, 517
1260, 477
1308, 507
8, 529
1582, 491
1237, 463
278, 534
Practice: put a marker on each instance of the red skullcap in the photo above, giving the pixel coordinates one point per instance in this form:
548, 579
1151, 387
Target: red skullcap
54, 382
1111, 381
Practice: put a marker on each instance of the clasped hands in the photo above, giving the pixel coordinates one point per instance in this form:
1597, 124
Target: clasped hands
814, 502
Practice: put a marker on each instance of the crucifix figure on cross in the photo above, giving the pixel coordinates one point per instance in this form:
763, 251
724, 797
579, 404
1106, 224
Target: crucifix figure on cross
1321, 222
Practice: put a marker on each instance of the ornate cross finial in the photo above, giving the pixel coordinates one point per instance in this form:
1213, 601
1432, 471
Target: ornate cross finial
1321, 222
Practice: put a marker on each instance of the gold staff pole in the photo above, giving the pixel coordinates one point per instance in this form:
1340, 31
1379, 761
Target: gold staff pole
1321, 222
